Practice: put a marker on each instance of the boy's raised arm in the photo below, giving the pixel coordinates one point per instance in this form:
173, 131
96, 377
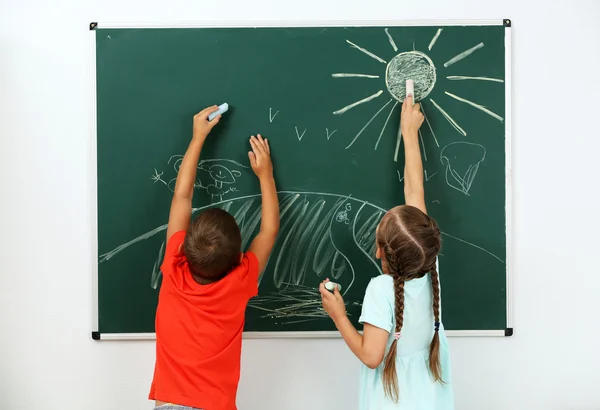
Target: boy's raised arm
410, 121
181, 205
260, 160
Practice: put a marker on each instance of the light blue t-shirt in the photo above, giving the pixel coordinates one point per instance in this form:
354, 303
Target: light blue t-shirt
417, 390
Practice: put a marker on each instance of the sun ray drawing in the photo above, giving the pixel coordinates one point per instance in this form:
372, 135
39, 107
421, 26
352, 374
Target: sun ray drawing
385, 124
463, 55
423, 145
392, 42
346, 75
463, 77
368, 122
367, 52
429, 124
435, 38
449, 118
359, 102
478, 106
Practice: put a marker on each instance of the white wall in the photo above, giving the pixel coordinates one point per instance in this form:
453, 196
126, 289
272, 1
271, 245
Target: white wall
47, 359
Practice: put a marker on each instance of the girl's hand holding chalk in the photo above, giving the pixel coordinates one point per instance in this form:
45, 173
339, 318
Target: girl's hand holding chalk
202, 126
333, 302
411, 117
330, 286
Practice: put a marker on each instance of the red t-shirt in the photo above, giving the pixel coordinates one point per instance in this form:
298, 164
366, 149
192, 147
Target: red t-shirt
199, 332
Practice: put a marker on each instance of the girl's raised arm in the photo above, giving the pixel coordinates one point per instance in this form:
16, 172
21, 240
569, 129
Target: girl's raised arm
410, 122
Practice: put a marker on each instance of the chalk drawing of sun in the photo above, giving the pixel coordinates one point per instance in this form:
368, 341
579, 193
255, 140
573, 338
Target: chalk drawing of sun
417, 66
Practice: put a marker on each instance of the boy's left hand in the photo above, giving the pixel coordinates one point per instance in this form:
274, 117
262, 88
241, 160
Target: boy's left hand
202, 126
260, 157
333, 303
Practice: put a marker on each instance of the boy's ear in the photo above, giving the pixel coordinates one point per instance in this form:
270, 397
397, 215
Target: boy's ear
180, 250
241, 256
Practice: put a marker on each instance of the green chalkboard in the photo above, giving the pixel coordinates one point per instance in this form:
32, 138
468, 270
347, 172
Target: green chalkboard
326, 97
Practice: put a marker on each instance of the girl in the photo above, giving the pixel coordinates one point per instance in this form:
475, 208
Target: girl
403, 345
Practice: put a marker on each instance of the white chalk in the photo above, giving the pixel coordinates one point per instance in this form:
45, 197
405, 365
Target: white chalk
330, 286
222, 109
410, 89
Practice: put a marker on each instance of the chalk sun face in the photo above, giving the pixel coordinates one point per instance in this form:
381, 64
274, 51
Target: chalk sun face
411, 65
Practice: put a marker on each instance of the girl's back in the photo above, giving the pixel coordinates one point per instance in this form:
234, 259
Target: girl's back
403, 345
417, 389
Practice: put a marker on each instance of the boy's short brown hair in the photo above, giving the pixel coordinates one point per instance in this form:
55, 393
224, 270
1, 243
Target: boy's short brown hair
212, 245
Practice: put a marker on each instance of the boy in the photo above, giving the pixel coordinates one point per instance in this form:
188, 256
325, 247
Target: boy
207, 282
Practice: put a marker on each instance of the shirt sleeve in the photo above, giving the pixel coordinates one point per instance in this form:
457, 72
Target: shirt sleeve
249, 274
376, 309
172, 255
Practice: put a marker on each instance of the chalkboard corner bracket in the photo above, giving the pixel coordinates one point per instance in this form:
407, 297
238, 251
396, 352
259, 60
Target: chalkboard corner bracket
93, 26
96, 335
508, 331
507, 23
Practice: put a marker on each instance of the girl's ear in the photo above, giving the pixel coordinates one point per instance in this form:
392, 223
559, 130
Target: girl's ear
378, 253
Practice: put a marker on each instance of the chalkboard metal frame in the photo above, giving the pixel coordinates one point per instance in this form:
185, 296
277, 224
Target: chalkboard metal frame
283, 24
507, 23
295, 335
508, 186
94, 179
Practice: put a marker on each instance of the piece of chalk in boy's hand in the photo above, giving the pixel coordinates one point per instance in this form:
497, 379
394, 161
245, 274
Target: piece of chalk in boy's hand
222, 109
410, 89
330, 286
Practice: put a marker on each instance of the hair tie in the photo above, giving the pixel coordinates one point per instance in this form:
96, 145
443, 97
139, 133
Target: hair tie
397, 335
437, 326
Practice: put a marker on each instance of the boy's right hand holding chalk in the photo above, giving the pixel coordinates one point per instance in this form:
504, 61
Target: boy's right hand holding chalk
202, 126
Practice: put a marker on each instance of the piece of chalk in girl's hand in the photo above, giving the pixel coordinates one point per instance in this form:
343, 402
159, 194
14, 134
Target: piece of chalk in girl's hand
330, 286
222, 109
410, 89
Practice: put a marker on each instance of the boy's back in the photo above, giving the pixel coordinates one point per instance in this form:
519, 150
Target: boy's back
199, 332
207, 282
